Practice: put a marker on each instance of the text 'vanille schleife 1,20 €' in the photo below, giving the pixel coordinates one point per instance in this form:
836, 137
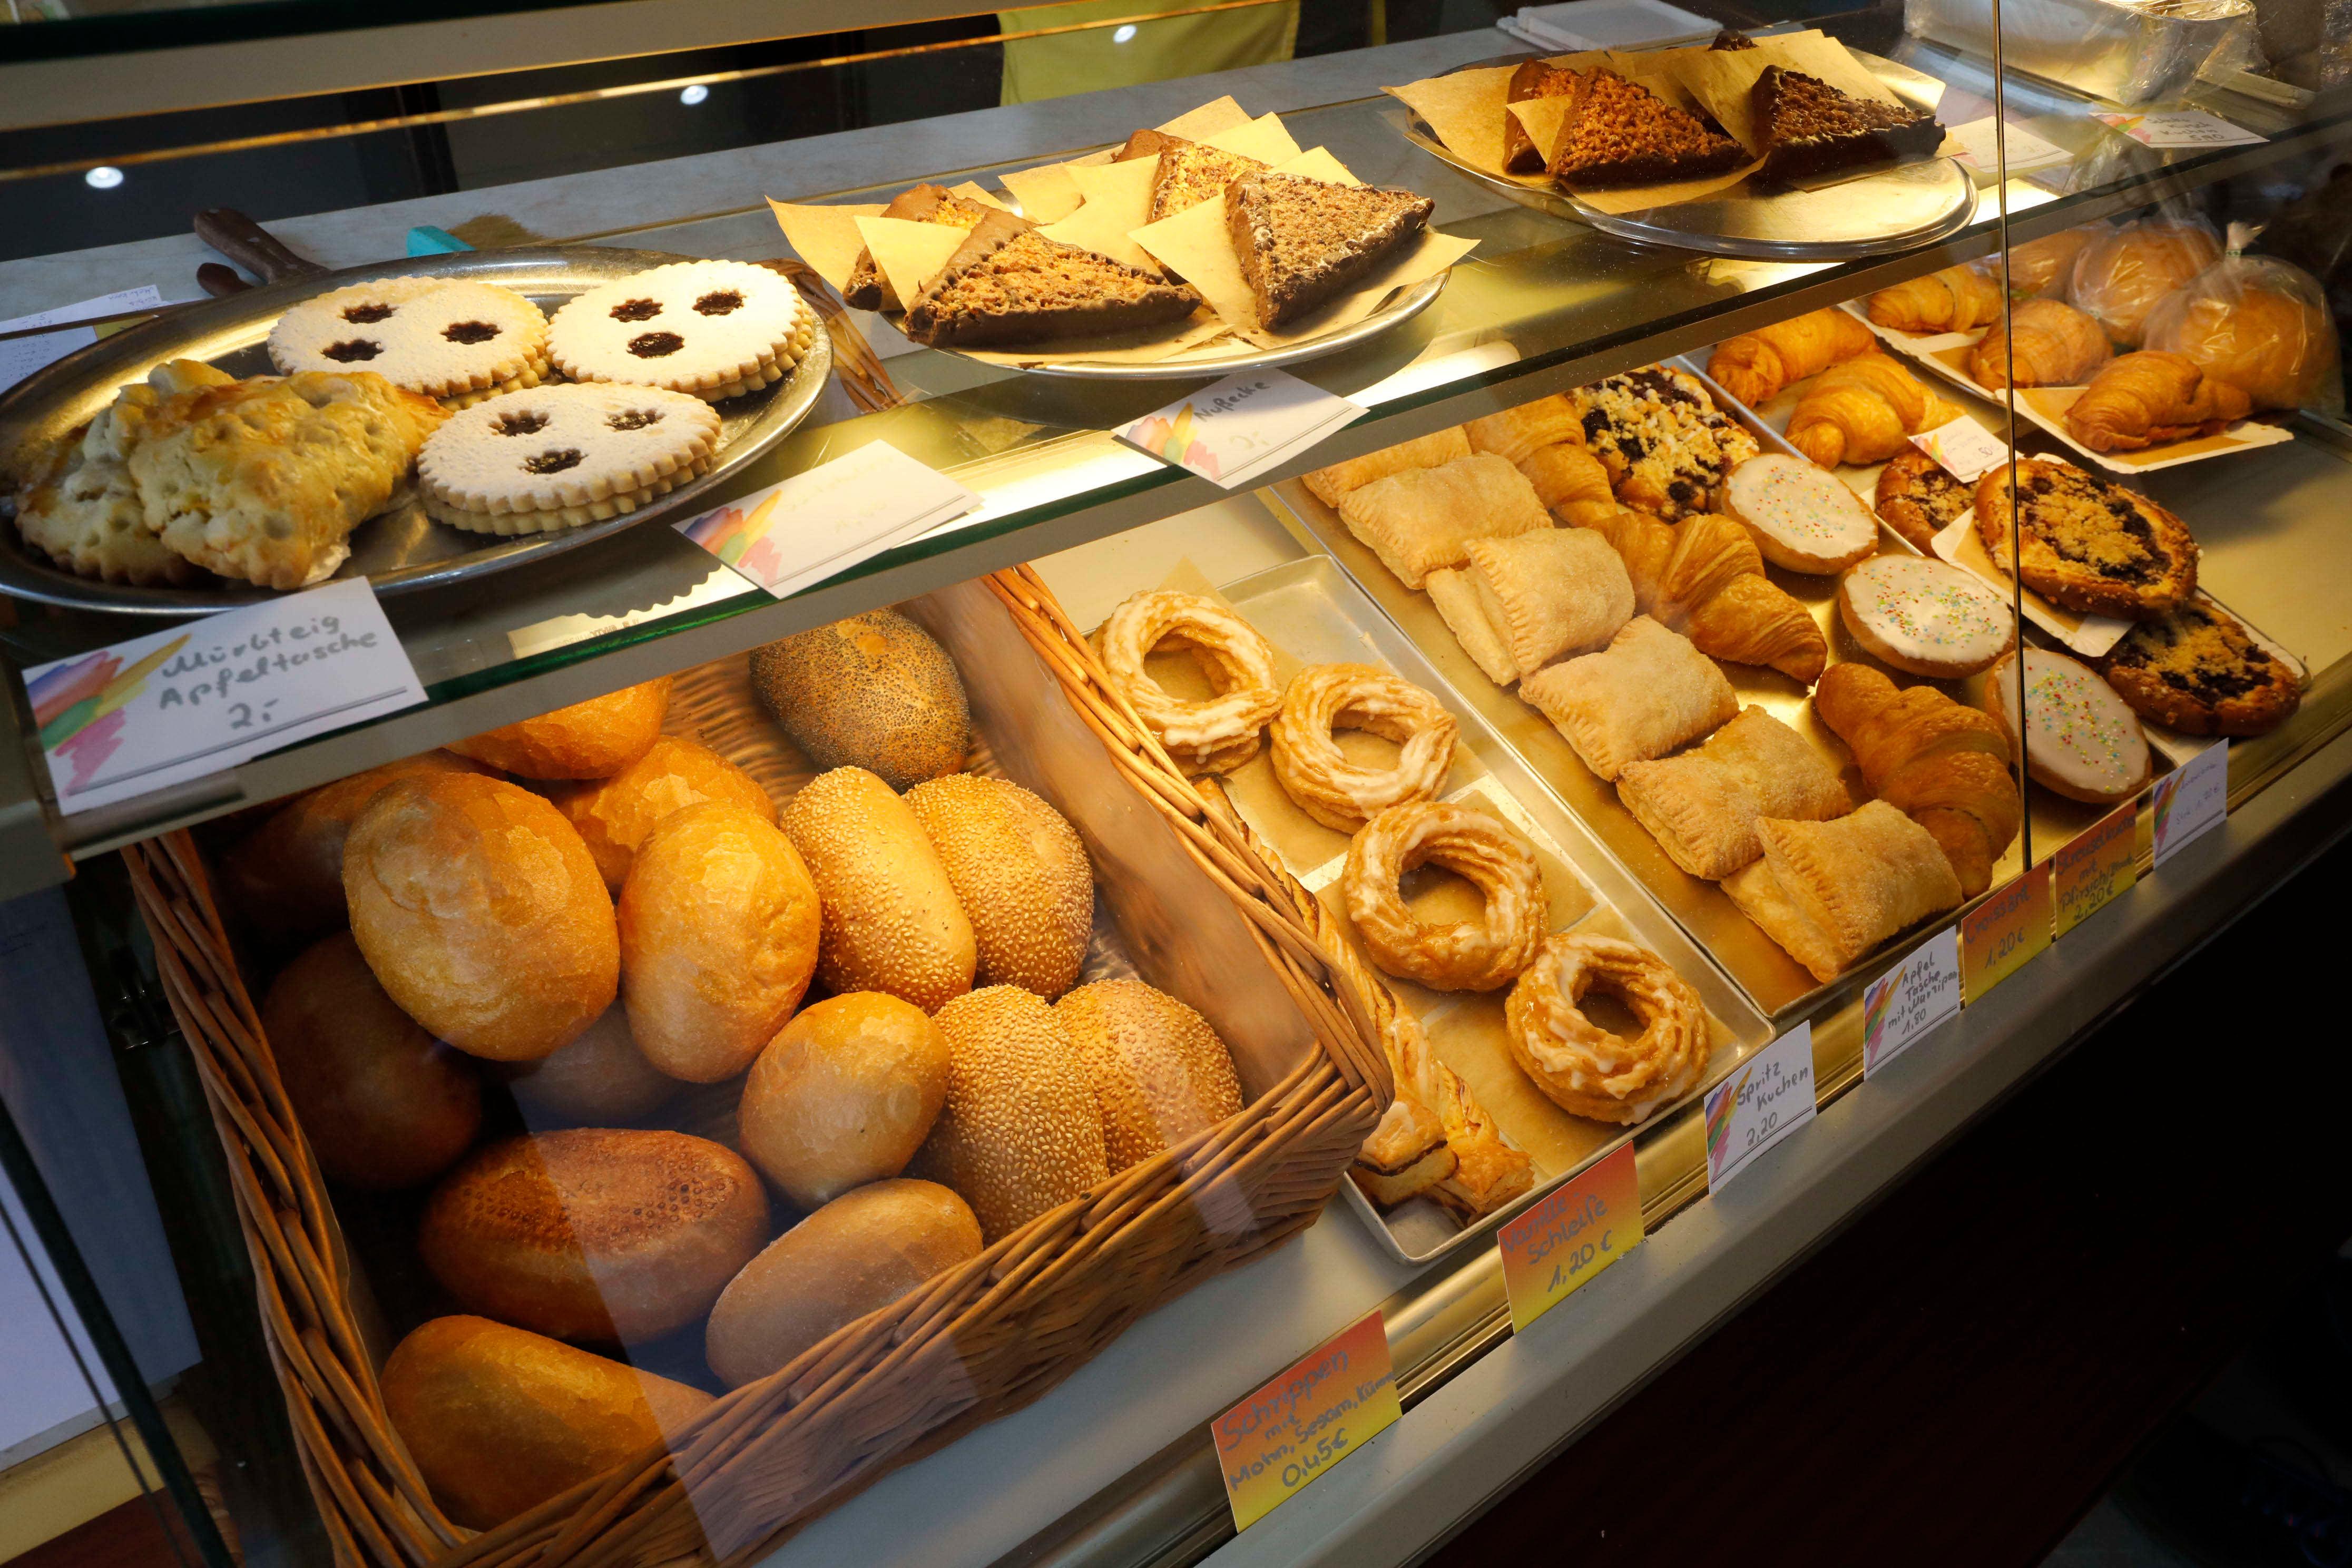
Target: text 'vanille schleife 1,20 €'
1326, 1405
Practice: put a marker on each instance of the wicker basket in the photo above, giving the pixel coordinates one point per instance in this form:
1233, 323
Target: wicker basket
969, 1345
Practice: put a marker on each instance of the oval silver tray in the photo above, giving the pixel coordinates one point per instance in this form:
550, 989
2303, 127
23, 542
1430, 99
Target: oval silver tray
402, 550
1870, 215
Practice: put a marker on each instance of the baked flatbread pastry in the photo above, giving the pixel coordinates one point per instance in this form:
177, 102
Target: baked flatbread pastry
263, 480
78, 503
1422, 518
1645, 694
1831, 892
1551, 592
1703, 805
1332, 485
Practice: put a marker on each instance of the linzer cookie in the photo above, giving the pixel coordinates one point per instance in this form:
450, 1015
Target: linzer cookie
715, 329
556, 457
449, 338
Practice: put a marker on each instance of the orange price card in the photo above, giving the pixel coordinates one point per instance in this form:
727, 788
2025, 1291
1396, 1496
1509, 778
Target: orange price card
1579, 1229
1331, 1402
2098, 863
2001, 935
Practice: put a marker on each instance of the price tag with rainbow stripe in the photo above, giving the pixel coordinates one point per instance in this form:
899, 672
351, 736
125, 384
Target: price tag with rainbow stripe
1769, 1097
2190, 801
1902, 1004
1242, 428
1325, 1406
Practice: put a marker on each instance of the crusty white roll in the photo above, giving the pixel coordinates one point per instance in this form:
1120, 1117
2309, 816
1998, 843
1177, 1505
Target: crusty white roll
1021, 874
614, 815
856, 1255
844, 1095
600, 1079
891, 919
591, 740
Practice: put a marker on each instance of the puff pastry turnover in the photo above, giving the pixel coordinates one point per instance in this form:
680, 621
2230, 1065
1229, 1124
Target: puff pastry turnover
1424, 519
1332, 485
1645, 694
1831, 892
1550, 592
1703, 805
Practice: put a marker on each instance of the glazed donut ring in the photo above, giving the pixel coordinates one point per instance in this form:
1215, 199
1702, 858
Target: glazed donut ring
1460, 955
1583, 1068
1310, 767
1214, 735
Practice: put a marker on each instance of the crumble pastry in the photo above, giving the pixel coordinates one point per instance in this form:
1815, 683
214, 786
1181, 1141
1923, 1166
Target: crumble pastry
1809, 128
2196, 671
1619, 133
1301, 242
2086, 544
1535, 79
1919, 496
715, 329
1190, 172
1665, 445
1009, 285
449, 338
554, 457
870, 289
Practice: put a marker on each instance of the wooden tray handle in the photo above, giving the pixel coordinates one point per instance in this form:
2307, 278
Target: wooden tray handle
250, 246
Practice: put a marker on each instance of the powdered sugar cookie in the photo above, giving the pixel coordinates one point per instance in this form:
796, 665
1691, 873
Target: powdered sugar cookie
445, 337
555, 456
1924, 618
2083, 742
1800, 515
715, 329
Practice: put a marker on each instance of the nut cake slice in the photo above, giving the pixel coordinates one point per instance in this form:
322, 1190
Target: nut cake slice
1190, 172
1301, 241
1619, 133
1008, 284
1809, 128
868, 289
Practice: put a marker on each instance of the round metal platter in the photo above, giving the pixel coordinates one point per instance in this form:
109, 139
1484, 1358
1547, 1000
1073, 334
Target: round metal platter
1894, 209
1394, 312
402, 550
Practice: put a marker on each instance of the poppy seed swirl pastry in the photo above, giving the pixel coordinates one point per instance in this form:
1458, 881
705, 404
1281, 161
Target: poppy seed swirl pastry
1582, 1067
1214, 734
1460, 955
1313, 772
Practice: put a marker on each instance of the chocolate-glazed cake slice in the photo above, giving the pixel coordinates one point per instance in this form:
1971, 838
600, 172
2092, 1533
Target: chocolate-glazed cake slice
1009, 285
1620, 134
1809, 128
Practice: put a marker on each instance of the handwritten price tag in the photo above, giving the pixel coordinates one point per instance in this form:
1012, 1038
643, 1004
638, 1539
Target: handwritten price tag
1967, 450
2191, 799
2097, 864
1769, 1097
1901, 1005
1565, 1241
1979, 144
1332, 1402
1242, 427
2179, 128
820, 522
2001, 934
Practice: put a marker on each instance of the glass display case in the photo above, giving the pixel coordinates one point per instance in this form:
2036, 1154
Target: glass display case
933, 895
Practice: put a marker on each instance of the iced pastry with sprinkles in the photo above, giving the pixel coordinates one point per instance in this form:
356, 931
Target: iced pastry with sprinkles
1665, 445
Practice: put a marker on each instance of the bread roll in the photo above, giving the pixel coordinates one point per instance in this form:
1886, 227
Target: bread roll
594, 1233
478, 908
2274, 348
856, 1255
873, 691
600, 1079
591, 740
1019, 1134
2119, 278
384, 1104
891, 920
286, 878
1021, 875
614, 815
1160, 1073
500, 1419
718, 938
844, 1095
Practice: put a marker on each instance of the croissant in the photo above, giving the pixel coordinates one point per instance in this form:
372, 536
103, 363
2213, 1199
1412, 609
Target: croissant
2043, 267
2048, 343
1956, 300
1568, 480
1515, 432
1942, 764
1703, 577
2149, 397
1861, 411
1754, 366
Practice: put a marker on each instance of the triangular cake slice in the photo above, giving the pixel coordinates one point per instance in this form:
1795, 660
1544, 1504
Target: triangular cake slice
1300, 241
1808, 127
1619, 133
1008, 285
1535, 79
868, 289
1190, 172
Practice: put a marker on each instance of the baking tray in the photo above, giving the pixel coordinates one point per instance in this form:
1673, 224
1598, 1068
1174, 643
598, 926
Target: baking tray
402, 550
1870, 215
1314, 614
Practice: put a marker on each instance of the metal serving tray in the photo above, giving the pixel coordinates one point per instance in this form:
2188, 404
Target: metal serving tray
398, 551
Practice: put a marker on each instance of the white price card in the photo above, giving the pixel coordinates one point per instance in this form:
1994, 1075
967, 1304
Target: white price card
57, 336
1242, 426
177, 705
1965, 449
2179, 128
819, 523
2190, 800
1901, 1005
1770, 1097
1979, 144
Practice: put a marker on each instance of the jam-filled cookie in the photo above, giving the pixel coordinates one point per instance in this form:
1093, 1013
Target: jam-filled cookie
449, 338
2196, 671
715, 329
556, 457
2086, 544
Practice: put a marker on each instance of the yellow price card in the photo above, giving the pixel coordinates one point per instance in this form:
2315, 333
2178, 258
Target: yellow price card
1581, 1227
1327, 1404
2001, 935
2100, 864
